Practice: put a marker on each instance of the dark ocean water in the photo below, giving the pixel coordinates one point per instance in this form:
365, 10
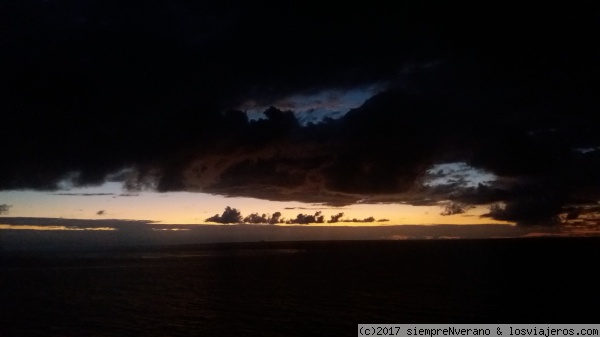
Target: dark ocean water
298, 289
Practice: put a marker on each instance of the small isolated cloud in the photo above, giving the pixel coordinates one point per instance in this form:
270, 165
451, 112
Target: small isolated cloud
336, 218
264, 218
129, 195
369, 219
230, 215
4, 208
101, 212
305, 219
452, 208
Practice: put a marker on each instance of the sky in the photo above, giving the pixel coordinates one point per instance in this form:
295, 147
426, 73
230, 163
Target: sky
425, 112
109, 201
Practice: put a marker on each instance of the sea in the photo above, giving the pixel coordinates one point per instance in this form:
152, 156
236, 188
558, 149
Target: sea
317, 288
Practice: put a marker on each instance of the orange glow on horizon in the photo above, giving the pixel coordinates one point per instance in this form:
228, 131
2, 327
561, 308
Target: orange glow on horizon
194, 208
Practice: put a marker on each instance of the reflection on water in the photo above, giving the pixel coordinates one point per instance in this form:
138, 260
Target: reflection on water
174, 229
297, 289
55, 228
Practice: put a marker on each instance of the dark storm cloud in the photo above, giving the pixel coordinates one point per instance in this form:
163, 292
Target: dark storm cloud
143, 93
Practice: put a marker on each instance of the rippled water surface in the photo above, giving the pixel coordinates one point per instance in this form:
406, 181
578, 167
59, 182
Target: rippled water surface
298, 289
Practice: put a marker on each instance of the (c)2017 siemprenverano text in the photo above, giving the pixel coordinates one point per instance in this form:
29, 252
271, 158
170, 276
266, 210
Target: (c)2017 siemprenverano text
500, 330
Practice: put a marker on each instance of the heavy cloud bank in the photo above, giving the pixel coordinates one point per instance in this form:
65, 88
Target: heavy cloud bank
150, 94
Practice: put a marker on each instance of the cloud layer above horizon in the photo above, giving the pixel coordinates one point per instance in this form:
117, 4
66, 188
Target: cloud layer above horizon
147, 95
